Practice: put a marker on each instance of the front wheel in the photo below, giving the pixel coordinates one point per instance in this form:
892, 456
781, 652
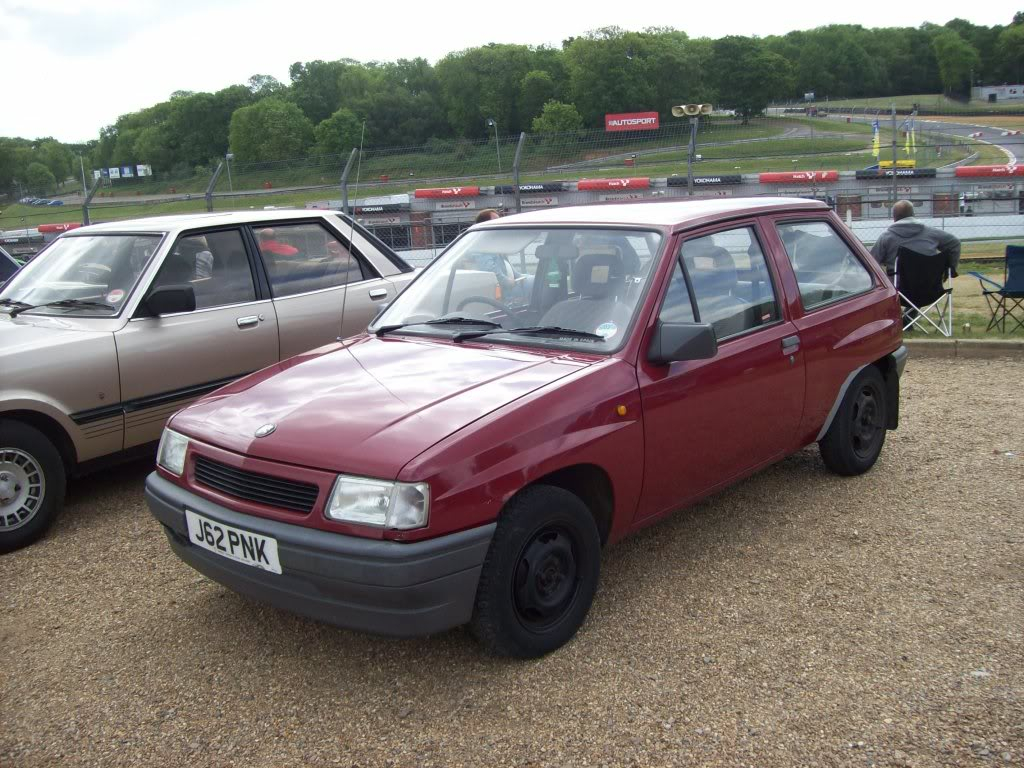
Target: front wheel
32, 481
540, 574
855, 439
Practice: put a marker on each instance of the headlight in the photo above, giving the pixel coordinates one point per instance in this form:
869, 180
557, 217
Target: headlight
382, 503
171, 453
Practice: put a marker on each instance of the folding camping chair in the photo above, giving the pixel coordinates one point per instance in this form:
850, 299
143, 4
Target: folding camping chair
919, 279
1006, 300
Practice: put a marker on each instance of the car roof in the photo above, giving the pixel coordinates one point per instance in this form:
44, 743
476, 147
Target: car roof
663, 213
178, 222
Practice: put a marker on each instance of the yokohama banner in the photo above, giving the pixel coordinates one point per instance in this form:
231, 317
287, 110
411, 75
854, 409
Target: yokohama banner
449, 192
631, 121
805, 177
592, 184
989, 170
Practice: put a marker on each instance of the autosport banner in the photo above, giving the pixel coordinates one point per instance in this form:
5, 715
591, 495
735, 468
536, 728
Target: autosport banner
804, 177
449, 192
631, 121
989, 170
602, 184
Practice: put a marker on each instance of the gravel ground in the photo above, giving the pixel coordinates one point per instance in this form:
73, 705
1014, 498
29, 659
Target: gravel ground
797, 619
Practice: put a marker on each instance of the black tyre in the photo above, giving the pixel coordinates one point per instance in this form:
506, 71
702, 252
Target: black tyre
32, 482
540, 574
855, 439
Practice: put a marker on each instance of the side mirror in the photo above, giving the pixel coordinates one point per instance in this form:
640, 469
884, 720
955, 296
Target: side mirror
674, 342
169, 300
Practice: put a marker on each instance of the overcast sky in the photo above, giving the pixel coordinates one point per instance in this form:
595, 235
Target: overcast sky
72, 67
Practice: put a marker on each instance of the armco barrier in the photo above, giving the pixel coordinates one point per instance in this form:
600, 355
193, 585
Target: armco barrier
989, 170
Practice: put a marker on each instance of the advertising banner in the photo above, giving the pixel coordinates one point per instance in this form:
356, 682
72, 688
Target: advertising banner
539, 202
592, 184
509, 189
706, 181
631, 121
115, 173
989, 170
886, 173
802, 177
448, 192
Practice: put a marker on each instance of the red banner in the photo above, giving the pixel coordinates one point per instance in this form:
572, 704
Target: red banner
989, 170
604, 184
47, 228
798, 177
631, 121
449, 192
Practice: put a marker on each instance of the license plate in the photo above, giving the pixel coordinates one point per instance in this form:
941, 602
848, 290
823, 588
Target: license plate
233, 543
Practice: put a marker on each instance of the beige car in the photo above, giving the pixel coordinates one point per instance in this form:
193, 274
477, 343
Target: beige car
114, 327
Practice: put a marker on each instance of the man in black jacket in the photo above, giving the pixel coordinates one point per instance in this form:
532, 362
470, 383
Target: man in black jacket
910, 233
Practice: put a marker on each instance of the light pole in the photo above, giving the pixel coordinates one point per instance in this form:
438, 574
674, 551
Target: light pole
692, 111
497, 145
229, 157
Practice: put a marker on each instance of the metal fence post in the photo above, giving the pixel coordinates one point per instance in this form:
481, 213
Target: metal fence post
88, 199
895, 192
344, 180
211, 185
691, 150
515, 171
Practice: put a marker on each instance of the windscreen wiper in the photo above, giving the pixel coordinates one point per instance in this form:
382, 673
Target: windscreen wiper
71, 303
534, 330
456, 320
13, 303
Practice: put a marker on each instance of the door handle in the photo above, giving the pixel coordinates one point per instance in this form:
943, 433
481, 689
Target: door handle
379, 293
790, 343
249, 320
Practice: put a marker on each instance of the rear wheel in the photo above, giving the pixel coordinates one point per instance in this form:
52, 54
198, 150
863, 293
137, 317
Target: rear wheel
540, 575
32, 481
855, 439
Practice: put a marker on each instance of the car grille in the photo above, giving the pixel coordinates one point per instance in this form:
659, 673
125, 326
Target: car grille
252, 486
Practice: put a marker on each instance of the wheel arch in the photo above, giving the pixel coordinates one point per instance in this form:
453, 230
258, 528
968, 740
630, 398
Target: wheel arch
52, 429
592, 485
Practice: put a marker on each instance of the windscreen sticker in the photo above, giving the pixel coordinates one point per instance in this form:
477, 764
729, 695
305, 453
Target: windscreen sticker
607, 330
115, 296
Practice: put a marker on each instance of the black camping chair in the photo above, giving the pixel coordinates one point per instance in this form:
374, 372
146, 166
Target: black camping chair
920, 279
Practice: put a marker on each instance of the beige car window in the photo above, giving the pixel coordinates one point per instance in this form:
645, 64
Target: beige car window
305, 257
214, 264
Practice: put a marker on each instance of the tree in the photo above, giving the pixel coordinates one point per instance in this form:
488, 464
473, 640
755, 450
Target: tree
956, 58
557, 117
747, 76
39, 179
315, 87
262, 86
537, 88
272, 129
56, 157
338, 133
1010, 52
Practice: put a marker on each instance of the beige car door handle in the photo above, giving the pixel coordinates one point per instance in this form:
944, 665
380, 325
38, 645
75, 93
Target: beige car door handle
379, 293
245, 322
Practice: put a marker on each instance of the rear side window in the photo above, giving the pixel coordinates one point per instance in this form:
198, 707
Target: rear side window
826, 269
305, 257
731, 282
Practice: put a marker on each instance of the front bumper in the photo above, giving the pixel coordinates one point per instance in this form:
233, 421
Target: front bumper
384, 587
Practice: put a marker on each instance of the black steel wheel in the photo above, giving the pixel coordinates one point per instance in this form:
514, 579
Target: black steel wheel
855, 439
540, 575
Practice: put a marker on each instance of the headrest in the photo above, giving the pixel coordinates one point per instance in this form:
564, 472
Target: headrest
598, 275
711, 269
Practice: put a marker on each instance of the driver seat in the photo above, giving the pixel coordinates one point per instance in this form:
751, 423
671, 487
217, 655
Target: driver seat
598, 279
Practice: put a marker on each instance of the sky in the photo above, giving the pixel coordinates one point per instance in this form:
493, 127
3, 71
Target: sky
73, 67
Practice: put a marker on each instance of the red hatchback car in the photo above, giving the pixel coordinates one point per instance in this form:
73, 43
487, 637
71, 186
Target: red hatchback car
464, 461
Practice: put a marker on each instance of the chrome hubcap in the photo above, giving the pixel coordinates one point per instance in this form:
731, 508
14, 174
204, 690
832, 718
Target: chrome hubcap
22, 487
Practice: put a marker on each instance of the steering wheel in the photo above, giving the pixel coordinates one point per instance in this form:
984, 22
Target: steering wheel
484, 300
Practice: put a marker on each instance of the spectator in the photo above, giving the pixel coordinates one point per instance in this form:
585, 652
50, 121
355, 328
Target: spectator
487, 214
906, 231
269, 245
